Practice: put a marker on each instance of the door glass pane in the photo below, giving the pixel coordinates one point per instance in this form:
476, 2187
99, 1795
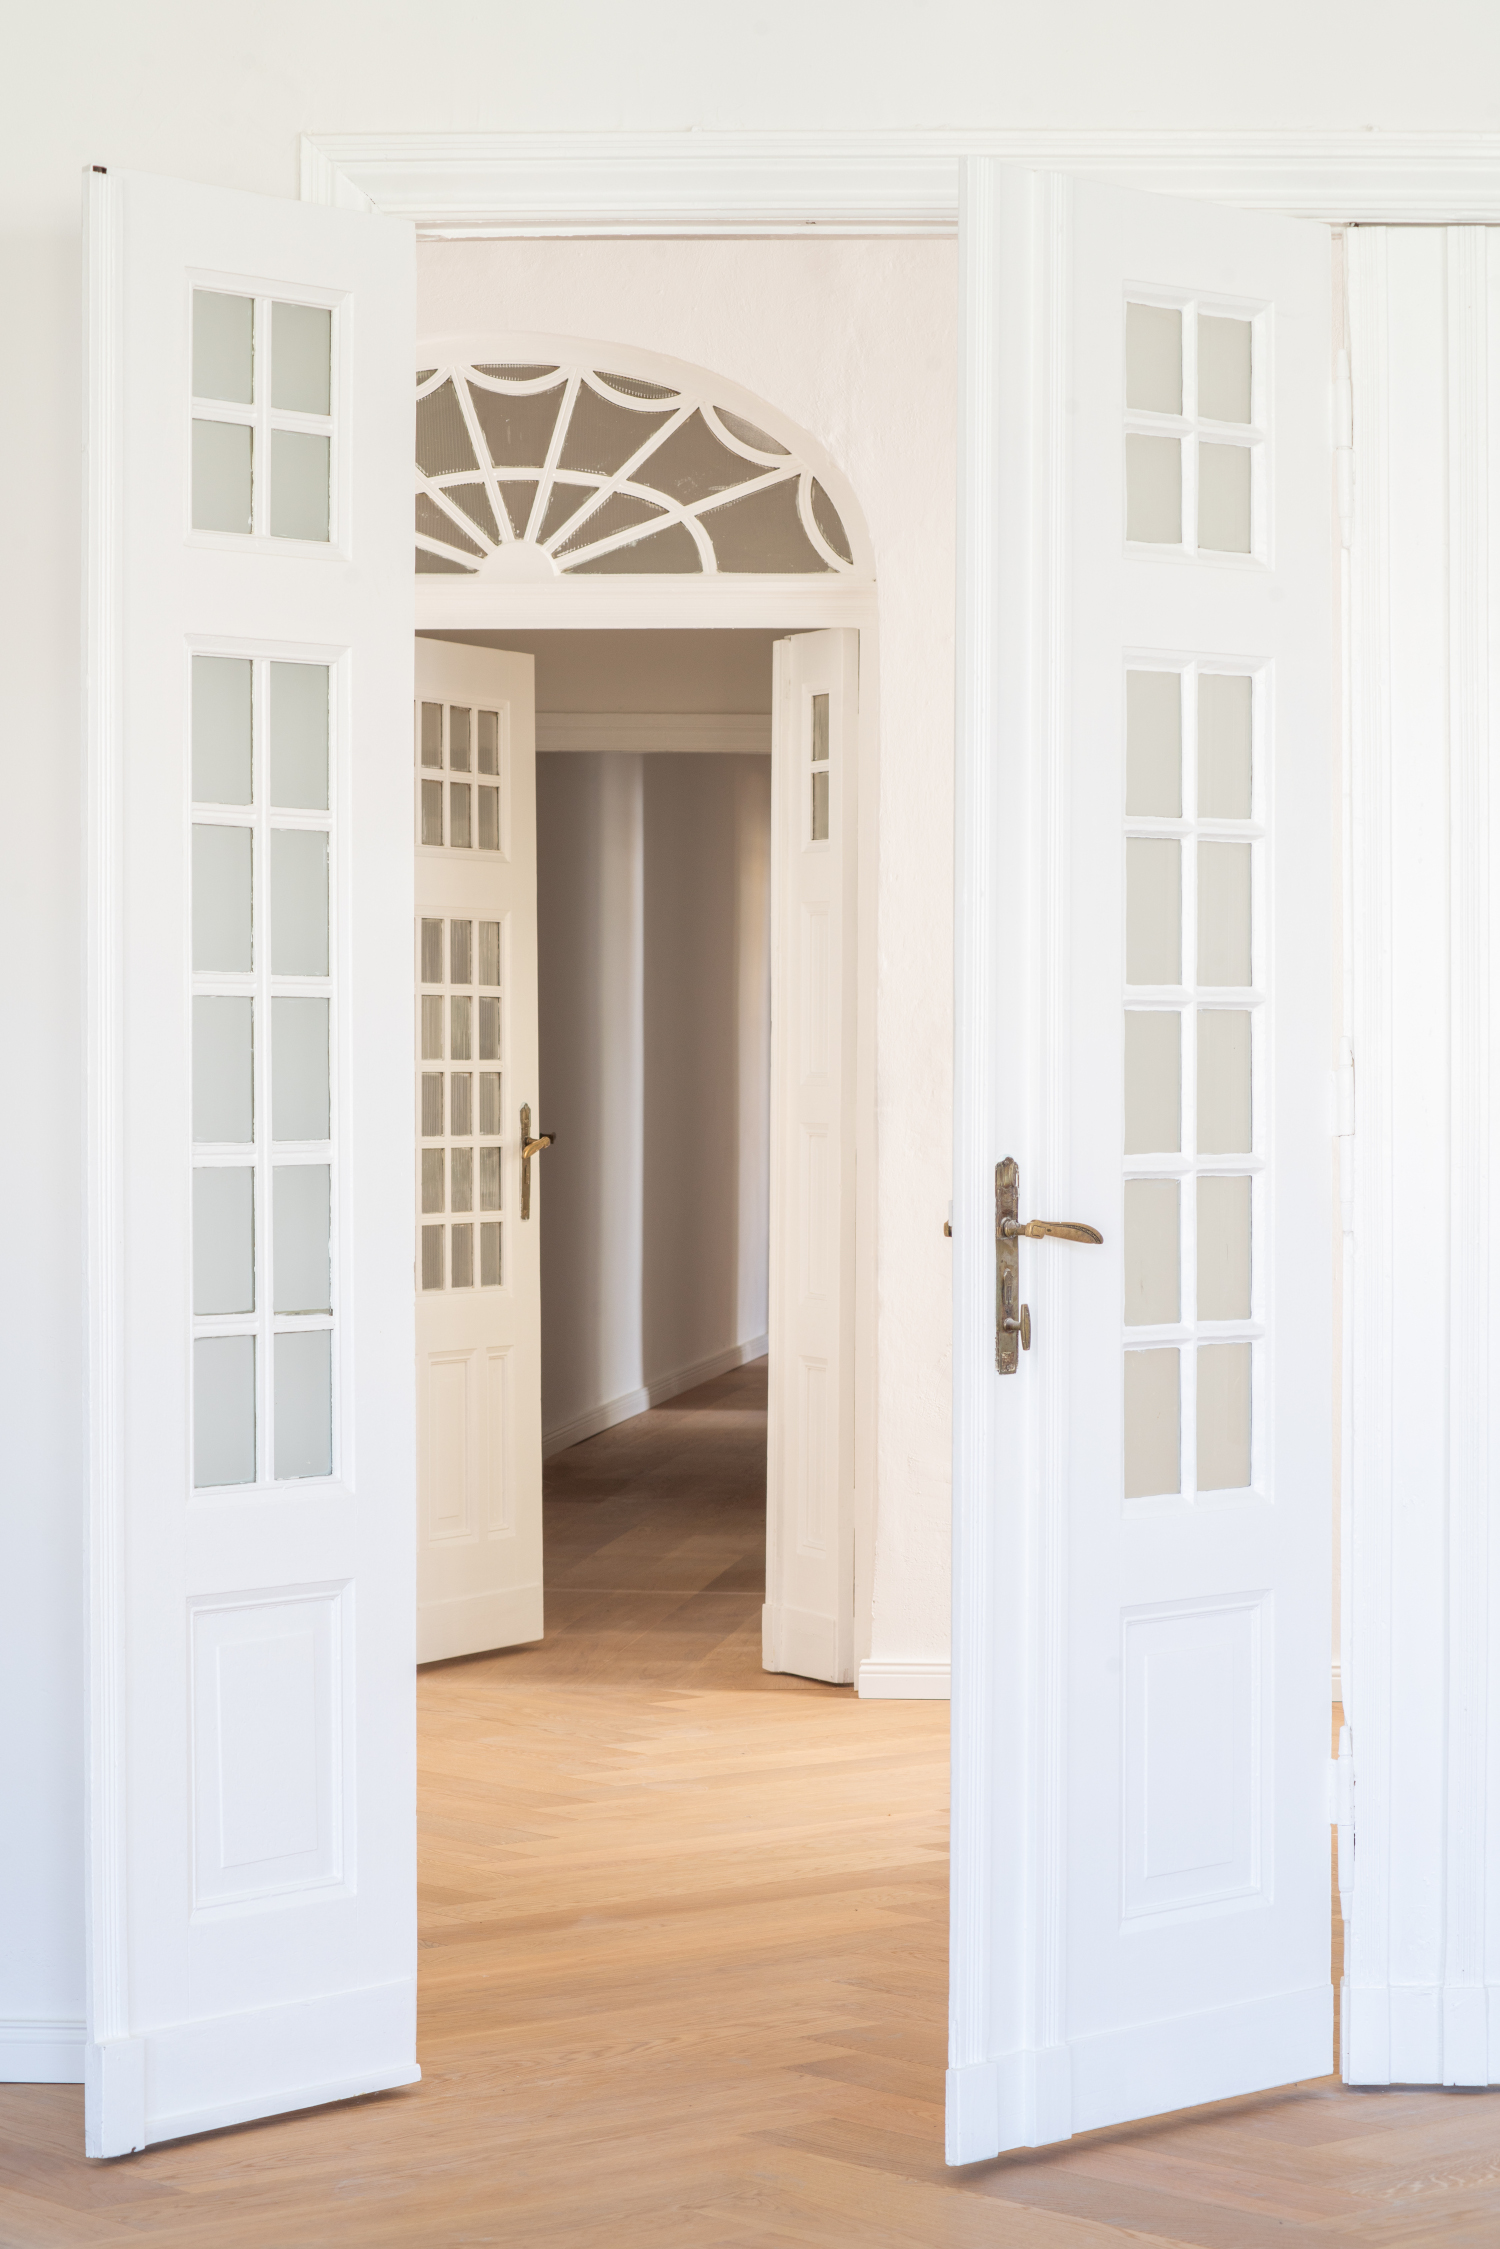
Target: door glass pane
223, 346
221, 476
1153, 489
433, 1172
460, 952
1223, 1249
1153, 1083
489, 1178
224, 1241
1224, 913
432, 1028
1153, 358
299, 485
304, 1403
489, 1100
489, 952
432, 734
489, 819
432, 951
221, 899
299, 902
489, 1255
1224, 1417
489, 741
463, 1104
820, 736
458, 738
460, 1028
432, 1104
1223, 746
462, 1180
299, 1069
301, 358
1224, 498
820, 807
1223, 368
1224, 1123
299, 736
221, 729
458, 815
223, 1072
463, 1255
1152, 1260
300, 1255
432, 1256
223, 1410
489, 1030
432, 812
1153, 1420
1153, 745
1153, 911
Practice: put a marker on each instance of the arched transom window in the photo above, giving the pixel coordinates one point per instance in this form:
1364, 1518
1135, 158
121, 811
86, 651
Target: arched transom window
563, 465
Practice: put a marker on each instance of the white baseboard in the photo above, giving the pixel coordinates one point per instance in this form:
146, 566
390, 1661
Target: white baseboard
41, 2053
654, 1393
903, 1682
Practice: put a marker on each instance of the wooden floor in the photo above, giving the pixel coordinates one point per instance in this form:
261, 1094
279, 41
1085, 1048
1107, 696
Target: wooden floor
683, 1976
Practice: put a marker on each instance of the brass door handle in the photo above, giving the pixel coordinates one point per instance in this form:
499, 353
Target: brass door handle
1012, 1317
530, 1147
1036, 1230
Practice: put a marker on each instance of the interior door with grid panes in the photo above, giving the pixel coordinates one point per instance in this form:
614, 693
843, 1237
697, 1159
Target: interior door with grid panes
479, 1365
1142, 1517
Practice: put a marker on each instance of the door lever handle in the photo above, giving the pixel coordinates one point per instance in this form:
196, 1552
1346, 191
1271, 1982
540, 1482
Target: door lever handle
1036, 1230
1012, 1317
530, 1146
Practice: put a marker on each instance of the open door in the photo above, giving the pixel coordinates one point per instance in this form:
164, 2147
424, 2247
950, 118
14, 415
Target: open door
479, 1268
808, 1620
251, 1771
1142, 1425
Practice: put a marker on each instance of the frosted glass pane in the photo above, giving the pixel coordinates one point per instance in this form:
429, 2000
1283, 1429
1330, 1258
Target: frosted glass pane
300, 1255
223, 1241
1224, 1417
432, 811
221, 899
223, 1410
1223, 1249
221, 730
1153, 358
1224, 1115
299, 736
1153, 911
489, 952
304, 1403
489, 1030
223, 1073
459, 802
1153, 490
489, 1256
489, 741
463, 1254
433, 1174
820, 730
299, 1069
299, 484
299, 902
1153, 1422
432, 951
432, 1104
489, 1101
462, 1101
222, 453
1153, 745
301, 358
459, 743
432, 1029
461, 1028
1224, 913
1224, 498
461, 1180
820, 806
489, 1178
432, 734
223, 346
489, 819
432, 1256
1223, 746
1152, 1262
460, 952
1153, 1084
1223, 368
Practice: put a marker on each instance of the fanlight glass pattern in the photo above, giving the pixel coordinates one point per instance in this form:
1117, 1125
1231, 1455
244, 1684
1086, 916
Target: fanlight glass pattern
538, 470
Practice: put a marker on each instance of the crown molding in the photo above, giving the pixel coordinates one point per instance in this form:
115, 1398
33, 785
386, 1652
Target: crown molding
454, 185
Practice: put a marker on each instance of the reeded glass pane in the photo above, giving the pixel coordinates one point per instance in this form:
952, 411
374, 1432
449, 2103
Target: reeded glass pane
1153, 1083
1153, 745
432, 811
461, 1180
223, 1070
489, 1255
462, 1102
303, 1366
432, 1256
299, 1069
1224, 498
489, 1178
223, 346
1224, 1417
1224, 913
458, 815
489, 819
460, 1027
221, 899
1223, 368
1223, 1249
1223, 746
223, 1410
299, 902
463, 1254
489, 741
489, 1101
820, 730
434, 1164
1153, 911
820, 806
459, 747
1224, 1114
1152, 1262
1153, 490
299, 736
224, 1241
222, 462
432, 950
301, 358
299, 484
432, 1104
432, 734
460, 952
1153, 358
432, 1029
221, 730
489, 1030
489, 952
300, 1211
1153, 1423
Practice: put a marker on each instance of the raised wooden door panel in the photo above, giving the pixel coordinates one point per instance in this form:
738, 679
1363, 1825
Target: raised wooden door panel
1142, 1547
478, 1257
809, 1613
